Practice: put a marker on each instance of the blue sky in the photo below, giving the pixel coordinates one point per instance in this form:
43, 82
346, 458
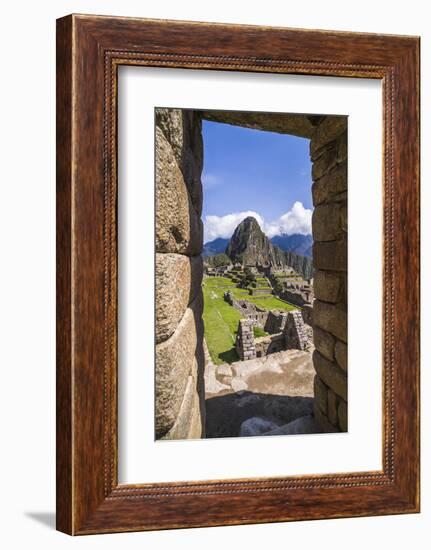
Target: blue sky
250, 172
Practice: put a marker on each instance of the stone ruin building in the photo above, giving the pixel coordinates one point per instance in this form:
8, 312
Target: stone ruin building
245, 340
252, 312
286, 330
294, 288
298, 293
219, 271
180, 363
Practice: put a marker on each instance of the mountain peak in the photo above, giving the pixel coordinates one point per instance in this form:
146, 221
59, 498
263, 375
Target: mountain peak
250, 219
249, 223
250, 246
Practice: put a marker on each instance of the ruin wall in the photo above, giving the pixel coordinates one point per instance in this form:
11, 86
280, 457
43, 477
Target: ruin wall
180, 405
328, 149
244, 343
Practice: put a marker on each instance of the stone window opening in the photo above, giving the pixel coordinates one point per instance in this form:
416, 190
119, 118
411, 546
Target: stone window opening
179, 241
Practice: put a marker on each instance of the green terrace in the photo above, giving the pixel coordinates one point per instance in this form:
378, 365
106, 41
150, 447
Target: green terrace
221, 319
270, 302
282, 276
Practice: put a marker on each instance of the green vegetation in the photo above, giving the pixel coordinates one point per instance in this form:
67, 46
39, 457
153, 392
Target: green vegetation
258, 332
218, 260
239, 293
219, 282
271, 302
248, 278
278, 287
266, 301
267, 288
220, 319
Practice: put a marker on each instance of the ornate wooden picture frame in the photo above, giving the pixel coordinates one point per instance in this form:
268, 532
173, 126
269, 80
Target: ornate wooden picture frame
89, 51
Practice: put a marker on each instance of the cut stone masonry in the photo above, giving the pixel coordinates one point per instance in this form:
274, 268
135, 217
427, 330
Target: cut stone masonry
179, 238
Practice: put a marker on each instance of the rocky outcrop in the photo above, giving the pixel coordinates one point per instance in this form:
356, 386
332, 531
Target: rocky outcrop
250, 246
301, 264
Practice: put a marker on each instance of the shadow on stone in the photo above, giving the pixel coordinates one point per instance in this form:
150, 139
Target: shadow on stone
226, 413
200, 360
229, 356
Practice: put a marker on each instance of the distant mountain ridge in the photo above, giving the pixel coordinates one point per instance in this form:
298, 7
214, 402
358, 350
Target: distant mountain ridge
300, 244
250, 246
217, 246
295, 246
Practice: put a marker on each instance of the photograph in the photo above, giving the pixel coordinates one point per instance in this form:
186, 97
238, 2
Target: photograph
251, 273
213, 317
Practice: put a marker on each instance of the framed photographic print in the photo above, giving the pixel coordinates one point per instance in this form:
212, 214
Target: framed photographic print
237, 274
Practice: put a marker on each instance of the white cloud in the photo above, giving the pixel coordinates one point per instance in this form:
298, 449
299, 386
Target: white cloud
224, 226
296, 220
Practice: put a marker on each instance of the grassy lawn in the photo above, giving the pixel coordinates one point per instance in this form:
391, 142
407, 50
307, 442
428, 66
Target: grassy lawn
262, 290
261, 282
221, 321
258, 332
239, 293
218, 282
271, 302
266, 301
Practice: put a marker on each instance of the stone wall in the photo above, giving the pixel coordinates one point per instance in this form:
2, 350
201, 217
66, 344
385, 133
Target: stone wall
287, 331
328, 148
258, 316
307, 314
292, 297
259, 291
245, 340
270, 321
275, 322
297, 333
272, 343
180, 405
